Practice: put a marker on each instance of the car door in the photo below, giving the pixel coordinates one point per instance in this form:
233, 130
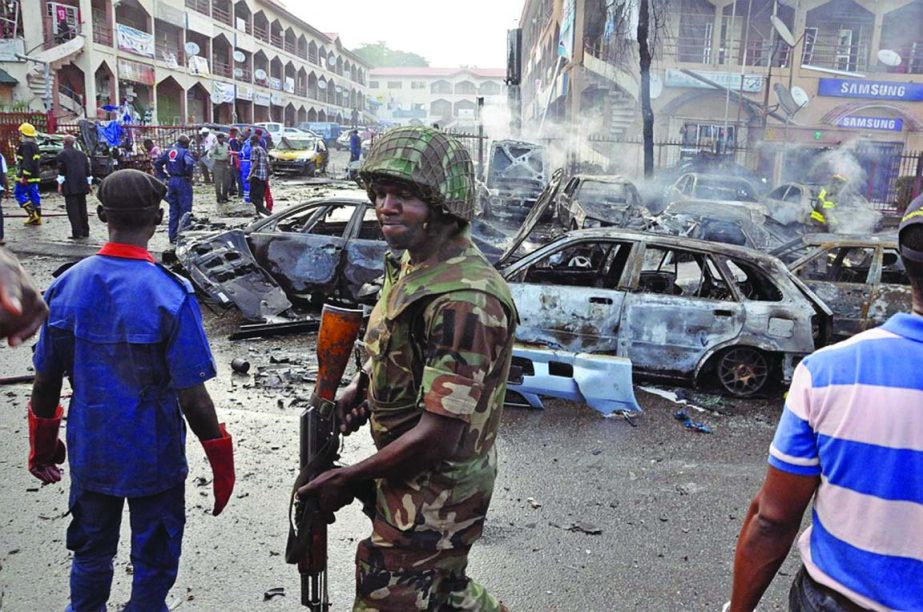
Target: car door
565, 203
306, 259
840, 276
891, 293
569, 294
678, 309
364, 265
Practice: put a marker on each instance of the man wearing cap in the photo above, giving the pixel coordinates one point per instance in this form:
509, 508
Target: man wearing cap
220, 154
27, 162
440, 342
177, 163
74, 180
851, 437
128, 335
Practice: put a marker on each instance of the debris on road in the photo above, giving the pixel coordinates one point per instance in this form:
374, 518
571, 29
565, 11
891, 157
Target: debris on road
683, 417
240, 366
274, 592
582, 527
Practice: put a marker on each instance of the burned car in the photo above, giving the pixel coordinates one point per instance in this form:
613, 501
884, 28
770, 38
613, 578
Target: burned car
328, 248
601, 201
791, 204
515, 176
714, 187
861, 278
302, 154
743, 225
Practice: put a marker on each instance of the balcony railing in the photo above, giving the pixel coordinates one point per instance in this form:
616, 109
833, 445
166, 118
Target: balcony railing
199, 6
243, 73
166, 51
248, 21
911, 59
102, 31
64, 34
276, 40
289, 47
221, 68
261, 32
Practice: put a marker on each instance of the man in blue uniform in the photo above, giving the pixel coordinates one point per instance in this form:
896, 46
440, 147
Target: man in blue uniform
128, 335
178, 164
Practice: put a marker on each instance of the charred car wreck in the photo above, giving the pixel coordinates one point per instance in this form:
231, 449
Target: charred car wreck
516, 174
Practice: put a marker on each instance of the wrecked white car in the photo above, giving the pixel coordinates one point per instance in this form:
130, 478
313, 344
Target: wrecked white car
715, 187
601, 201
721, 222
861, 278
515, 176
678, 308
791, 204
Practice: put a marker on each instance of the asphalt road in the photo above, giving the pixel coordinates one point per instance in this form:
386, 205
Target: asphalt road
667, 502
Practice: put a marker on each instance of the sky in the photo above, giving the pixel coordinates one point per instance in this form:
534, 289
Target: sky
448, 34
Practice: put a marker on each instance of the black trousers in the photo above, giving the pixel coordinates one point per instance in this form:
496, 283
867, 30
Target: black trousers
76, 206
257, 193
806, 595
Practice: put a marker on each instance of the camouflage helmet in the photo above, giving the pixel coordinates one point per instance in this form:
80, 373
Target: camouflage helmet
437, 164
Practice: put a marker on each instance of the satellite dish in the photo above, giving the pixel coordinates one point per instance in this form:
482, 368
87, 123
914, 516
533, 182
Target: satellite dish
889, 57
322, 84
656, 86
331, 60
782, 30
260, 74
239, 56
800, 96
217, 98
238, 73
191, 48
786, 101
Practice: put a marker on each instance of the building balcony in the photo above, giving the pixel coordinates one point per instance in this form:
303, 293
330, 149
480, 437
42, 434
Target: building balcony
243, 74
223, 15
220, 68
199, 6
170, 53
911, 59
276, 41
261, 33
289, 47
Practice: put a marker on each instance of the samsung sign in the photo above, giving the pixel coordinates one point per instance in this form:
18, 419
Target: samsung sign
871, 123
870, 90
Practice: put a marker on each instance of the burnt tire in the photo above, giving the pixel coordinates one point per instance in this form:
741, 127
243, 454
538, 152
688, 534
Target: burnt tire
743, 371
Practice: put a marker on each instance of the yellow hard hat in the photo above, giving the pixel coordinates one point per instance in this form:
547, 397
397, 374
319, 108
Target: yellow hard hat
27, 129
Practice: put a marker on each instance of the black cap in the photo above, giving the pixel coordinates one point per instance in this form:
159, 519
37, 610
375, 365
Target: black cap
131, 190
912, 216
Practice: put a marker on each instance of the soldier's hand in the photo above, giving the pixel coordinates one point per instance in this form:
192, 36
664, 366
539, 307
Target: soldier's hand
333, 490
351, 408
22, 309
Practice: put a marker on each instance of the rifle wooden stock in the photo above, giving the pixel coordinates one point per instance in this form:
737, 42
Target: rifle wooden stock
319, 447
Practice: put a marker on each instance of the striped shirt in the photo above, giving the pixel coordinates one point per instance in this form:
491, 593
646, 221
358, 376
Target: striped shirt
854, 417
259, 163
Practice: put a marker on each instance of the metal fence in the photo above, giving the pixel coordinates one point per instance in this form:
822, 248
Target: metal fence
9, 131
907, 183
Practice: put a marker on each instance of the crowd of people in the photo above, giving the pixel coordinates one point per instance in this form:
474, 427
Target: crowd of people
129, 336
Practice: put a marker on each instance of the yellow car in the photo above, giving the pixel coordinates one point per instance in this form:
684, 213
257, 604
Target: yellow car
301, 154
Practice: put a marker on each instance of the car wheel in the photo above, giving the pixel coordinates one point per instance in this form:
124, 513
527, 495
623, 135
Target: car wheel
309, 169
743, 370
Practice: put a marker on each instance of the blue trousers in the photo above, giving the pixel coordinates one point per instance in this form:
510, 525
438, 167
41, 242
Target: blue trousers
157, 523
27, 193
179, 196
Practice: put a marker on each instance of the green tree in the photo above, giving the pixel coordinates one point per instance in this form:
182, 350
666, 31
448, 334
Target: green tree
379, 55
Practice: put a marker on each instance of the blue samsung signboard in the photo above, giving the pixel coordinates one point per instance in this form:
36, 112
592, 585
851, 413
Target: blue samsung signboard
871, 123
870, 90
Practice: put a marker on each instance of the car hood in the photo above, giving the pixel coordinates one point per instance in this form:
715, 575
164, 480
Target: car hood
548, 195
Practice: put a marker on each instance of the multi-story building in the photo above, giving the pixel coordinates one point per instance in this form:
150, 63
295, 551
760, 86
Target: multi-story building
718, 69
180, 61
447, 96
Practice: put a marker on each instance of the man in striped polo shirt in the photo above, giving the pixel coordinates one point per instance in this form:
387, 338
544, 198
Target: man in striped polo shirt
851, 436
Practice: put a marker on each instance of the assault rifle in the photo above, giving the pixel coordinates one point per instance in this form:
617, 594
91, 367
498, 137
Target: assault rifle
320, 445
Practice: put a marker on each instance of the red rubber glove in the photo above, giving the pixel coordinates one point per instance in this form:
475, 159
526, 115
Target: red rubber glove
45, 448
220, 453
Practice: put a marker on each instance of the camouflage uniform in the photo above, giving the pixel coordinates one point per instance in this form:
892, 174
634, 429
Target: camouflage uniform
440, 340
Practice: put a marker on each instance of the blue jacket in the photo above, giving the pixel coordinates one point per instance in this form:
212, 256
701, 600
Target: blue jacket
176, 161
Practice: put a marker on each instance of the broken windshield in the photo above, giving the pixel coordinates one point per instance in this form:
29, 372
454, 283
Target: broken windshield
604, 193
727, 190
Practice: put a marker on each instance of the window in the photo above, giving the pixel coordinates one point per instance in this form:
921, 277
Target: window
441, 87
584, 264
669, 271
810, 36
753, 283
325, 220
371, 229
489, 88
838, 265
395, 85
417, 85
373, 84
729, 190
786, 193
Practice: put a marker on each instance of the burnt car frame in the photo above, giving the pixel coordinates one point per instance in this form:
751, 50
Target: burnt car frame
791, 204
515, 175
587, 201
725, 222
715, 188
678, 308
861, 278
328, 248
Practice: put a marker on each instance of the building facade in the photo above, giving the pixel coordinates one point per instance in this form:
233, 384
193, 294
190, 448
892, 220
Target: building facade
180, 61
725, 76
447, 96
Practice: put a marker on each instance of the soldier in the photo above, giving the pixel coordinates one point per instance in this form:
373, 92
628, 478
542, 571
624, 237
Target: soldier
440, 342
178, 164
26, 190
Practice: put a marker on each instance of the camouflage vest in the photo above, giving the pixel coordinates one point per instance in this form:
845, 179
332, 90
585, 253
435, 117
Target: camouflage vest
395, 337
